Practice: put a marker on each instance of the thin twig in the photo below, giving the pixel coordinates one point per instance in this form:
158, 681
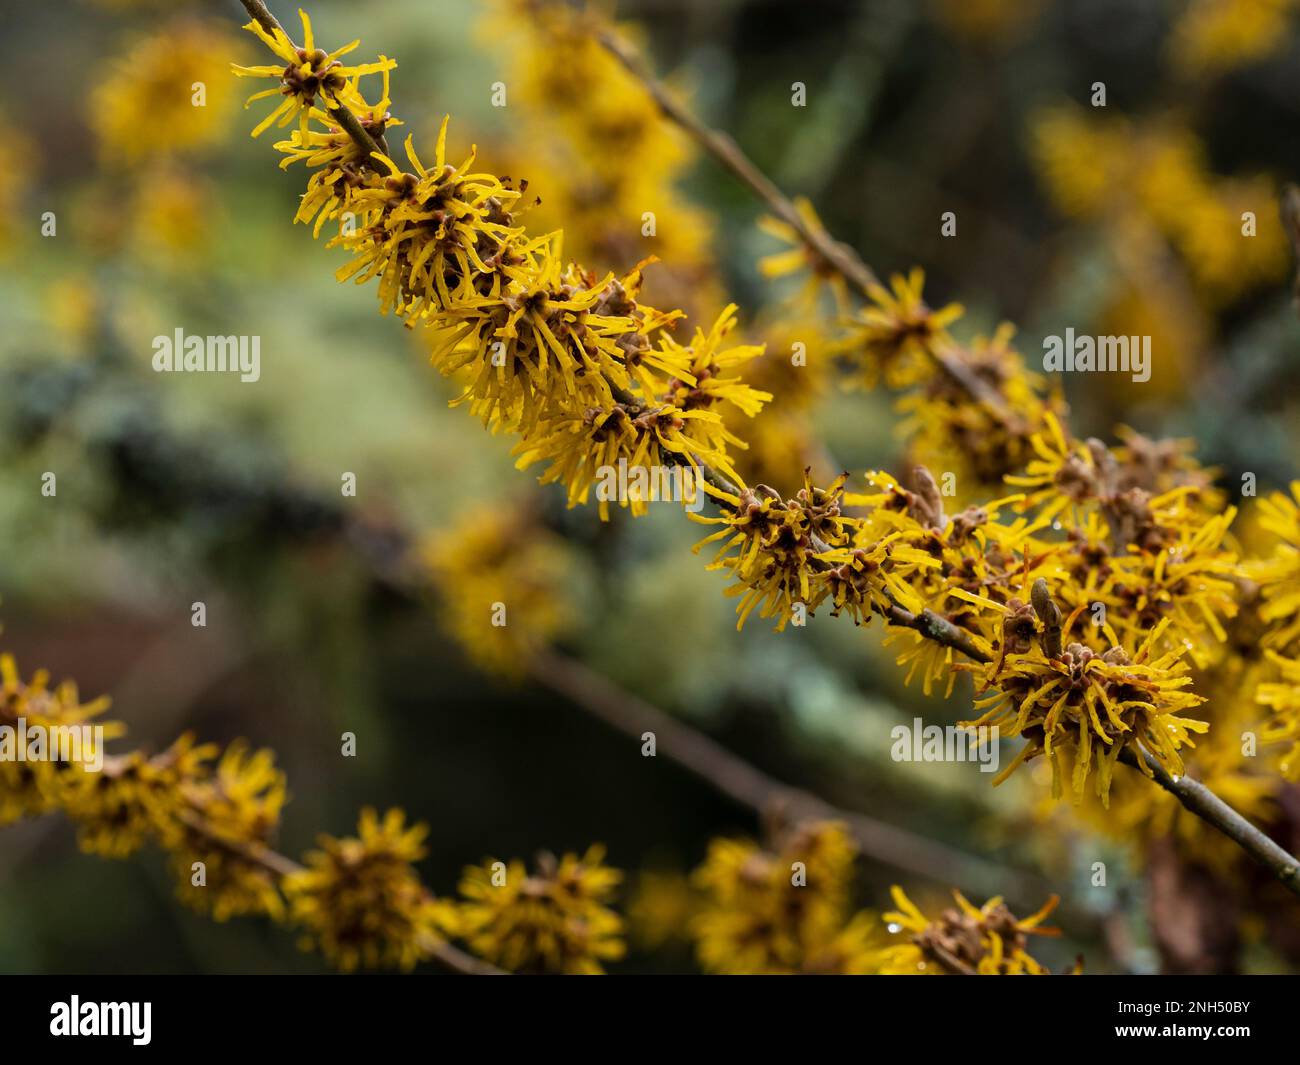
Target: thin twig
935, 627
1206, 805
839, 257
830, 253
949, 961
751, 787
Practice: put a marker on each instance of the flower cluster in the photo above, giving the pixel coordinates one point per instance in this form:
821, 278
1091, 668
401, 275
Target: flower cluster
1274, 602
1169, 195
790, 556
216, 814
1277, 575
222, 819
164, 102
1086, 602
570, 361
360, 901
796, 257
1127, 563
555, 919
1216, 36
1093, 706
797, 373
785, 910
1282, 696
970, 409
588, 376
210, 818
307, 75
134, 799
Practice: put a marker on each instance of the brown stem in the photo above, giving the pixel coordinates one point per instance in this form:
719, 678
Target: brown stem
949, 961
1206, 805
936, 627
751, 787
840, 258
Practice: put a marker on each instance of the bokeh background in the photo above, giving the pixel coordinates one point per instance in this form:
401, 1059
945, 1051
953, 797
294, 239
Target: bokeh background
176, 489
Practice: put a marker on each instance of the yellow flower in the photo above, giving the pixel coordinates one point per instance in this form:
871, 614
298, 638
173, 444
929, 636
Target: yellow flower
1168, 191
32, 786
1137, 815
773, 548
425, 234
1214, 36
173, 216
798, 257
706, 380
987, 941
360, 901
1078, 158
1088, 705
501, 559
780, 911
572, 362
310, 72
895, 336
1278, 576
873, 574
228, 815
554, 920
1063, 473
660, 908
146, 106
947, 431
1283, 698
595, 148
18, 160
135, 798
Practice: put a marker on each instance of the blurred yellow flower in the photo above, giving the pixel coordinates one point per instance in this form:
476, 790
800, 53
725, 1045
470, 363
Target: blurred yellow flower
30, 786
360, 901
553, 920
168, 95
505, 586
226, 814
1215, 36
781, 911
